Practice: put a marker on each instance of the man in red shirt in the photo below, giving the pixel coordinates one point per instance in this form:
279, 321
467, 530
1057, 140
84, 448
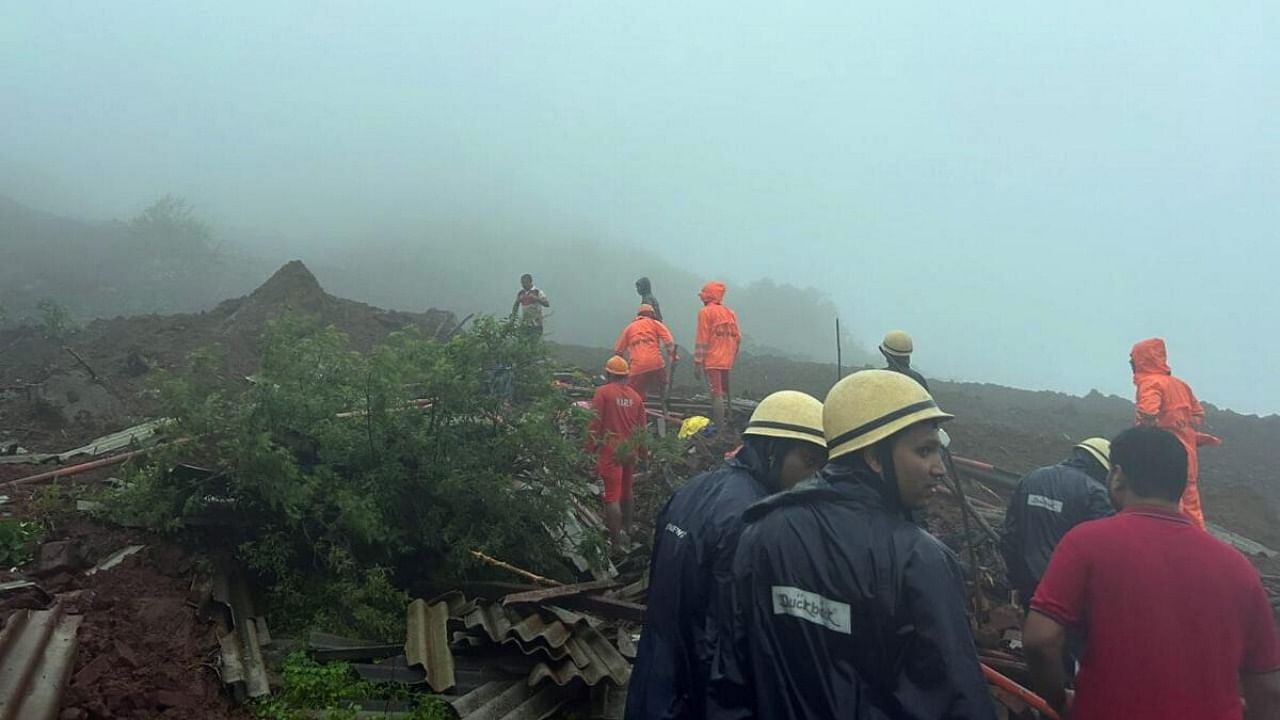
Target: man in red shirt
1175, 622
619, 416
646, 343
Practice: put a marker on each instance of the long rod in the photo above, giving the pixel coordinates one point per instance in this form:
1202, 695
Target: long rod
839, 358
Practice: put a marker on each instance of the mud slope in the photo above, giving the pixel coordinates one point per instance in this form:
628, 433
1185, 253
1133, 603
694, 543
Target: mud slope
1022, 429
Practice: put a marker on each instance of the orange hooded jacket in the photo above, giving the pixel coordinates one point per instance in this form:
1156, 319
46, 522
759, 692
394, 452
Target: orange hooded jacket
642, 342
1167, 402
1163, 399
716, 346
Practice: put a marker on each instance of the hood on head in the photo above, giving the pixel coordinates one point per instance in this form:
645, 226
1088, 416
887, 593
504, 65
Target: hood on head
643, 286
712, 292
1149, 356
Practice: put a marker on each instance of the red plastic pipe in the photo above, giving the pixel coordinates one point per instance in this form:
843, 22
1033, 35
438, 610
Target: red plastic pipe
1036, 702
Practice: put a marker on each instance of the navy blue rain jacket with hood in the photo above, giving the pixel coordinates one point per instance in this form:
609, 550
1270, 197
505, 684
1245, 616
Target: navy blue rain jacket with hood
693, 542
1047, 503
839, 606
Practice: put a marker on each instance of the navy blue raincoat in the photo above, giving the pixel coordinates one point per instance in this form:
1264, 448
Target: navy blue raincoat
838, 606
693, 543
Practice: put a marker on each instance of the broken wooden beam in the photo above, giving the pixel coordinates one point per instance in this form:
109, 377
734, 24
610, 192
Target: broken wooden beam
607, 607
538, 597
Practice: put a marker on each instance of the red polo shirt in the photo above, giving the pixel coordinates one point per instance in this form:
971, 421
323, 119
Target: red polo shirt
1172, 617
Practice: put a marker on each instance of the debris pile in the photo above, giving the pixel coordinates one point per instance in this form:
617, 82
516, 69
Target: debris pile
102, 376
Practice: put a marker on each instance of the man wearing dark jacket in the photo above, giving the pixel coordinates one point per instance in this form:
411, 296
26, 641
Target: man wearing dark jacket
783, 444
1047, 503
838, 605
896, 349
645, 290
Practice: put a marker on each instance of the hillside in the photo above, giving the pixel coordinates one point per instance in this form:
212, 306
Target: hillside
50, 396
1020, 430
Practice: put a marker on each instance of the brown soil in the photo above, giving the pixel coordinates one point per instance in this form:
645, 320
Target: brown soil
142, 651
1020, 430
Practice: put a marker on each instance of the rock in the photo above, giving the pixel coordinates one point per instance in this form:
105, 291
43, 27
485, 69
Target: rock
58, 557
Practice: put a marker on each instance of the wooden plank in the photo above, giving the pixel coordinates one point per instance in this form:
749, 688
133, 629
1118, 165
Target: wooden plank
543, 596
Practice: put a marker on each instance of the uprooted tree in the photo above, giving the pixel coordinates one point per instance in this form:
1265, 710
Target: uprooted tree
343, 479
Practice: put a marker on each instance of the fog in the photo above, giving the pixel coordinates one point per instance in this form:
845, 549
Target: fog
1027, 189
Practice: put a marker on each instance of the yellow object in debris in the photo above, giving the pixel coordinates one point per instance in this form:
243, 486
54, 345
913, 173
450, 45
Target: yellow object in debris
692, 426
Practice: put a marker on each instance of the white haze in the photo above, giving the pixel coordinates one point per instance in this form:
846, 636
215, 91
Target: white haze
1027, 188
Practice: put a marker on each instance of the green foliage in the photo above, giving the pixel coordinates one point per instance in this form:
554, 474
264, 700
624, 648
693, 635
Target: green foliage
50, 503
17, 539
55, 318
335, 691
344, 490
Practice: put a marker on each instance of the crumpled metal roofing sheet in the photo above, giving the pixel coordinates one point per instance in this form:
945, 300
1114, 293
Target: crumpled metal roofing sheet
37, 653
512, 700
575, 649
427, 643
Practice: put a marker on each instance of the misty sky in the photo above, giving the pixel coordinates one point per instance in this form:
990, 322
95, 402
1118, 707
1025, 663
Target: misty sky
1027, 188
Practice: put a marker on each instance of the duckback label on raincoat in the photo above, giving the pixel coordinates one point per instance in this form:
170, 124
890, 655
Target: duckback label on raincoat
1041, 501
830, 614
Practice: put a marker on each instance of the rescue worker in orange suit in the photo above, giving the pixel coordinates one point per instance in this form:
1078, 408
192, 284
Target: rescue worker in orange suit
1167, 402
618, 417
716, 347
646, 344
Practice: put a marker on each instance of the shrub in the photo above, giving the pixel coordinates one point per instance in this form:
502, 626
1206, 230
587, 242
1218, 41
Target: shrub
344, 491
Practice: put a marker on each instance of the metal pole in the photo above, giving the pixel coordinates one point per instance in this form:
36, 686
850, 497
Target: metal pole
839, 358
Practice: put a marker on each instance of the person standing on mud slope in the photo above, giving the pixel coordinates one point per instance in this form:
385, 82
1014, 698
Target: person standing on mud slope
1047, 503
896, 349
646, 344
838, 604
1167, 402
693, 548
1176, 623
531, 300
716, 347
645, 290
618, 417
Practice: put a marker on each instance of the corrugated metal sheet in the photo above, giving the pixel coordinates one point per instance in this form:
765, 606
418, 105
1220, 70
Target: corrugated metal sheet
574, 649
37, 653
512, 700
592, 658
104, 445
245, 634
427, 642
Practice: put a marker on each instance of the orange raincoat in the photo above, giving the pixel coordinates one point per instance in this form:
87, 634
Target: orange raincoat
1167, 402
641, 343
716, 346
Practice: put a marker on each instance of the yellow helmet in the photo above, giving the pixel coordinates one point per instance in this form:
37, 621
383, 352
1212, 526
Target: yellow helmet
788, 414
897, 343
1100, 449
869, 406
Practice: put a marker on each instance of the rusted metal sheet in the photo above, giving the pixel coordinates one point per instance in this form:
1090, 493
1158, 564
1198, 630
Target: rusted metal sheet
37, 653
427, 643
539, 597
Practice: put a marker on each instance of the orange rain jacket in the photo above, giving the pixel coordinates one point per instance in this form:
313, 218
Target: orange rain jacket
641, 343
716, 346
1167, 402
